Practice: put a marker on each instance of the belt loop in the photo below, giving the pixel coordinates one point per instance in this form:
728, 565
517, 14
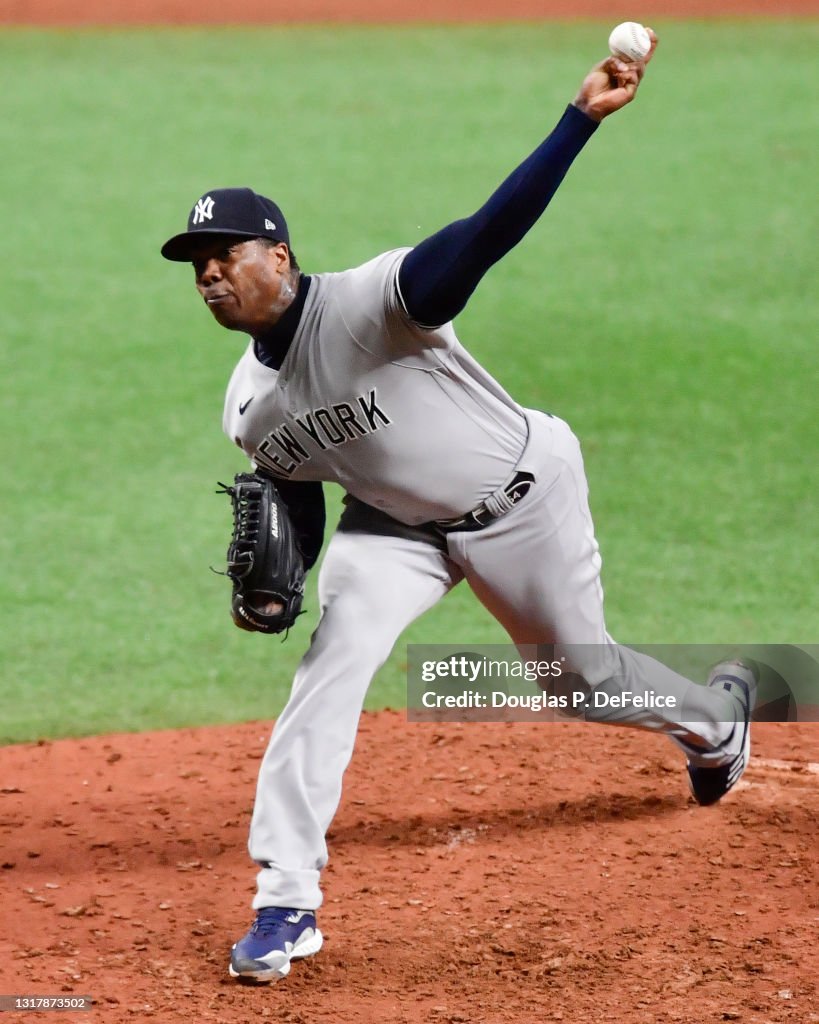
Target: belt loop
499, 502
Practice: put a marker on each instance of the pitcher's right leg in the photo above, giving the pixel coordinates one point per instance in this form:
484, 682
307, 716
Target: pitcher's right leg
370, 588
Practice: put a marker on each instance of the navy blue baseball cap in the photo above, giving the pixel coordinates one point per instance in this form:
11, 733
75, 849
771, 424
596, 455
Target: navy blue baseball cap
228, 211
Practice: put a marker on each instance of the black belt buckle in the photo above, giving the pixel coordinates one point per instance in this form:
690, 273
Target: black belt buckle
477, 519
480, 517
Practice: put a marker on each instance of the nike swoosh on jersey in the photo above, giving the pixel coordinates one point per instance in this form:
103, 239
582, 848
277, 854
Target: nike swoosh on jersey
243, 407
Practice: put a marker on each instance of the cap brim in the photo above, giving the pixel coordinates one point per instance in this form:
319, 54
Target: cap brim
181, 247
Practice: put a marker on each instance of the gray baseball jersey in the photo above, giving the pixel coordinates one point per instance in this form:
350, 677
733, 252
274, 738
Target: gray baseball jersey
399, 415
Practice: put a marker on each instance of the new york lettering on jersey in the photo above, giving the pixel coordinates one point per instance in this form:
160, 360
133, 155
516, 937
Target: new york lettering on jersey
287, 447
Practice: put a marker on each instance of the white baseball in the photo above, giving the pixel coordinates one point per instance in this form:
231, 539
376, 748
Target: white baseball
630, 41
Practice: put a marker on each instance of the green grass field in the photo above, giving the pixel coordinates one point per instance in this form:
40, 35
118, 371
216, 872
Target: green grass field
665, 305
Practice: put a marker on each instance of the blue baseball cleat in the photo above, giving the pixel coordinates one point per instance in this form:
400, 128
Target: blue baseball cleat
709, 781
277, 936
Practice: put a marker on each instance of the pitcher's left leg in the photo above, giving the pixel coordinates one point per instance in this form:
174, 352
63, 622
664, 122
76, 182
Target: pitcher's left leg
537, 570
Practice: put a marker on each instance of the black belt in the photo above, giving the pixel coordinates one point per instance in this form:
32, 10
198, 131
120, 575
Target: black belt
480, 517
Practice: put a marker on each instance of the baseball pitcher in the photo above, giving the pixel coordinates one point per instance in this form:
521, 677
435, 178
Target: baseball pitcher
359, 378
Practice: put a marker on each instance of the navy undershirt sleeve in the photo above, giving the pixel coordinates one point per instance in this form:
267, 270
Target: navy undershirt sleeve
437, 277
305, 503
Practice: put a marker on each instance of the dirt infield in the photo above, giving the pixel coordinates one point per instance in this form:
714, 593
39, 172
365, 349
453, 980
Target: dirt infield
182, 12
479, 873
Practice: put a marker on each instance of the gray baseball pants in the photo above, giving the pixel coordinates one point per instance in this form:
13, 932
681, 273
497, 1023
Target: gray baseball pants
536, 569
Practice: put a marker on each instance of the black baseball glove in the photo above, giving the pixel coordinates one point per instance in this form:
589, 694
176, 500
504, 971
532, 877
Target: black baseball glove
263, 560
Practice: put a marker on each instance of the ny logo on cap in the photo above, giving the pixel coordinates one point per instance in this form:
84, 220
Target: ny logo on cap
203, 210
